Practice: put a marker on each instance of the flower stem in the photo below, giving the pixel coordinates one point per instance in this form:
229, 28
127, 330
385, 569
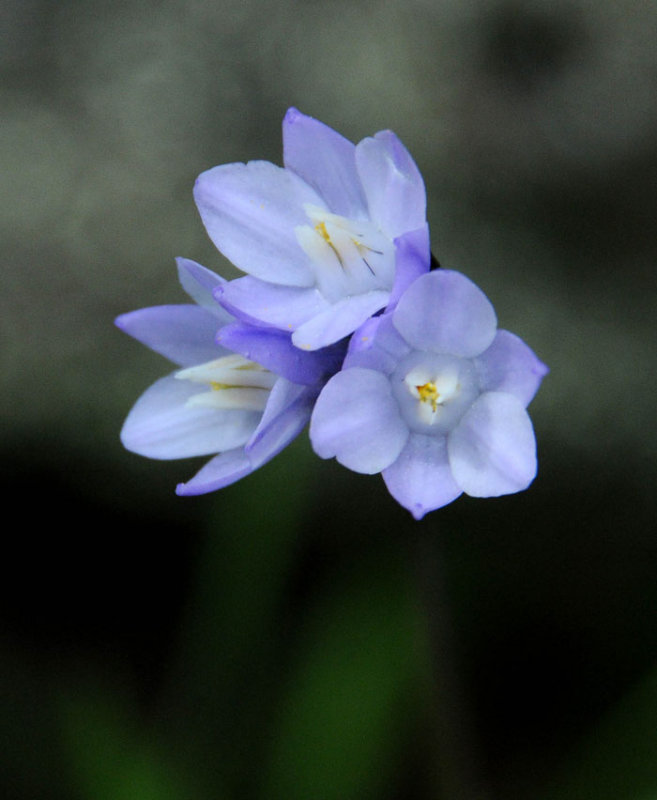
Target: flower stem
456, 770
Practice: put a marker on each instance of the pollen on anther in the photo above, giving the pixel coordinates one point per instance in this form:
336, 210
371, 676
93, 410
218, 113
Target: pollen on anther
427, 392
321, 230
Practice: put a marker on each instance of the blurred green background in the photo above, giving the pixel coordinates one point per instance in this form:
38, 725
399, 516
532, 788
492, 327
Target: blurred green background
298, 635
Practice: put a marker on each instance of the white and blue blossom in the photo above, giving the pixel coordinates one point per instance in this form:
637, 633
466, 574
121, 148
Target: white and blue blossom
434, 397
243, 392
335, 245
318, 236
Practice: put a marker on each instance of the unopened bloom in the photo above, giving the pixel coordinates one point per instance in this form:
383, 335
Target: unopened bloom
243, 392
317, 236
434, 397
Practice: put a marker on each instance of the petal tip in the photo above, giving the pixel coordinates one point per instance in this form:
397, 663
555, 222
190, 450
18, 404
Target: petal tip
185, 490
292, 115
121, 321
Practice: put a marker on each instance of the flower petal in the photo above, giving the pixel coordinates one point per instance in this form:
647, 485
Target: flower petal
287, 414
444, 312
393, 184
268, 304
200, 284
421, 478
357, 420
185, 334
412, 259
492, 451
250, 212
376, 344
339, 320
325, 160
510, 366
220, 471
274, 350
161, 425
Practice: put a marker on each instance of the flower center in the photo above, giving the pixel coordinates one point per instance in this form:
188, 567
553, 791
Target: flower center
434, 391
429, 394
234, 382
347, 256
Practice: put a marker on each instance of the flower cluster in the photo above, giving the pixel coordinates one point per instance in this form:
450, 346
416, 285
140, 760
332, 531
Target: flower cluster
339, 322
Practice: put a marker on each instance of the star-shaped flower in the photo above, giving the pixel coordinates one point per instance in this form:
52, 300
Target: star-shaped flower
433, 396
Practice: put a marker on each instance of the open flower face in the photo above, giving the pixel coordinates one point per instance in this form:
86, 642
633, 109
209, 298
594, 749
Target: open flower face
243, 393
434, 397
317, 237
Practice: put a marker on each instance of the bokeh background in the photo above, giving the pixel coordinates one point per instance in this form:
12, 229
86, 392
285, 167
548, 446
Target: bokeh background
298, 635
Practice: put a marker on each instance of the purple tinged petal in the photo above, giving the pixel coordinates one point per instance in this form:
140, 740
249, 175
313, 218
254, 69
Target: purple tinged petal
444, 312
357, 420
219, 472
325, 160
268, 304
339, 320
161, 425
421, 479
200, 284
250, 212
377, 345
412, 259
510, 366
185, 334
274, 350
286, 415
492, 451
393, 184
365, 335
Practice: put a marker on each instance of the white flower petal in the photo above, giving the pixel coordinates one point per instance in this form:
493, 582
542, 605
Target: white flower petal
325, 160
421, 479
444, 312
250, 212
393, 184
357, 420
339, 320
161, 424
492, 451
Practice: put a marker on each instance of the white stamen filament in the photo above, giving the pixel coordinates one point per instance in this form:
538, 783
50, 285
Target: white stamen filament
348, 256
234, 381
246, 399
229, 371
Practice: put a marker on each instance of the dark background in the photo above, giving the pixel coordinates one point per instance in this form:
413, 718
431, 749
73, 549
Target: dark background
298, 635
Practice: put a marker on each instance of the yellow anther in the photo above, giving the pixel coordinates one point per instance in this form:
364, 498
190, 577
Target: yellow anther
428, 393
321, 230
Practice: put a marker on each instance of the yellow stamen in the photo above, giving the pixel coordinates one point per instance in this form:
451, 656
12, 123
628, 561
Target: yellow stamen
321, 230
429, 393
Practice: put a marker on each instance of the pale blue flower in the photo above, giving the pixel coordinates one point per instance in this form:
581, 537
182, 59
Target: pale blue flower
243, 392
433, 396
317, 236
